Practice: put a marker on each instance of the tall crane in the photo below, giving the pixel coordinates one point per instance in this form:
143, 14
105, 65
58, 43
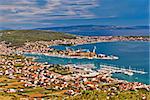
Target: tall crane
94, 49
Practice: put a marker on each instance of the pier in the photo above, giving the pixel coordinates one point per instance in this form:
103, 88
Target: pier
113, 69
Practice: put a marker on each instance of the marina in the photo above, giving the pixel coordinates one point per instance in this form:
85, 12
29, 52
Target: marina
113, 69
133, 54
74, 50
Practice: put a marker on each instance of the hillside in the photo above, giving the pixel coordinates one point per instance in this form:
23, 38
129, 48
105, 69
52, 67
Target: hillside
19, 37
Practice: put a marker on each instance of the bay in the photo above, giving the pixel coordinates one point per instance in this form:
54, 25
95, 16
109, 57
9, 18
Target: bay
131, 54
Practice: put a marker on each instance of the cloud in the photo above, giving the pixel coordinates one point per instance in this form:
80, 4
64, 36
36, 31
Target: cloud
35, 8
33, 11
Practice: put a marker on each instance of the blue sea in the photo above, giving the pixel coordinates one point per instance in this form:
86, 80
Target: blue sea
102, 30
133, 54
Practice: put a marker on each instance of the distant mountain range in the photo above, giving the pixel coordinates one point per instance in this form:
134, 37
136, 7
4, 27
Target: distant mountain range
95, 30
96, 27
4, 28
98, 30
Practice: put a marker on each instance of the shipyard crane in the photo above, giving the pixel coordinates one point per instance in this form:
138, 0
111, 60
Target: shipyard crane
94, 49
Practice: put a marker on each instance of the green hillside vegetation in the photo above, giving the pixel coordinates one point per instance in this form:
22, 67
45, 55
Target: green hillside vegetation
101, 95
19, 37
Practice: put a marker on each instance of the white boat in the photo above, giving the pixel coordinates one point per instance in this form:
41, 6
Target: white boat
102, 56
128, 73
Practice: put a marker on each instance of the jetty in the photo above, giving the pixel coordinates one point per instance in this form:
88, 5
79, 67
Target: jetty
113, 69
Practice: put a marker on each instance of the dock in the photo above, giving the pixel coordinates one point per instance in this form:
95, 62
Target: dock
113, 69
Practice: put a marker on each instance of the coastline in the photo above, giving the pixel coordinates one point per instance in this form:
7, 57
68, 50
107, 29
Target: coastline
107, 70
65, 56
117, 41
62, 77
102, 42
74, 50
46, 45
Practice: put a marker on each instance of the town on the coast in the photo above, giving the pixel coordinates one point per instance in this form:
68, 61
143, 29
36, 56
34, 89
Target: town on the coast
23, 77
74, 50
43, 47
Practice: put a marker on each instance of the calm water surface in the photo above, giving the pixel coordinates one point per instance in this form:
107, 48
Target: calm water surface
133, 54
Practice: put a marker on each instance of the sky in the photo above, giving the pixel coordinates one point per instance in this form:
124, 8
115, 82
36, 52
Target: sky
29, 14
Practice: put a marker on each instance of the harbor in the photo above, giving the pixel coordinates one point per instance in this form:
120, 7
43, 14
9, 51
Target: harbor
74, 50
113, 69
80, 54
106, 70
128, 56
